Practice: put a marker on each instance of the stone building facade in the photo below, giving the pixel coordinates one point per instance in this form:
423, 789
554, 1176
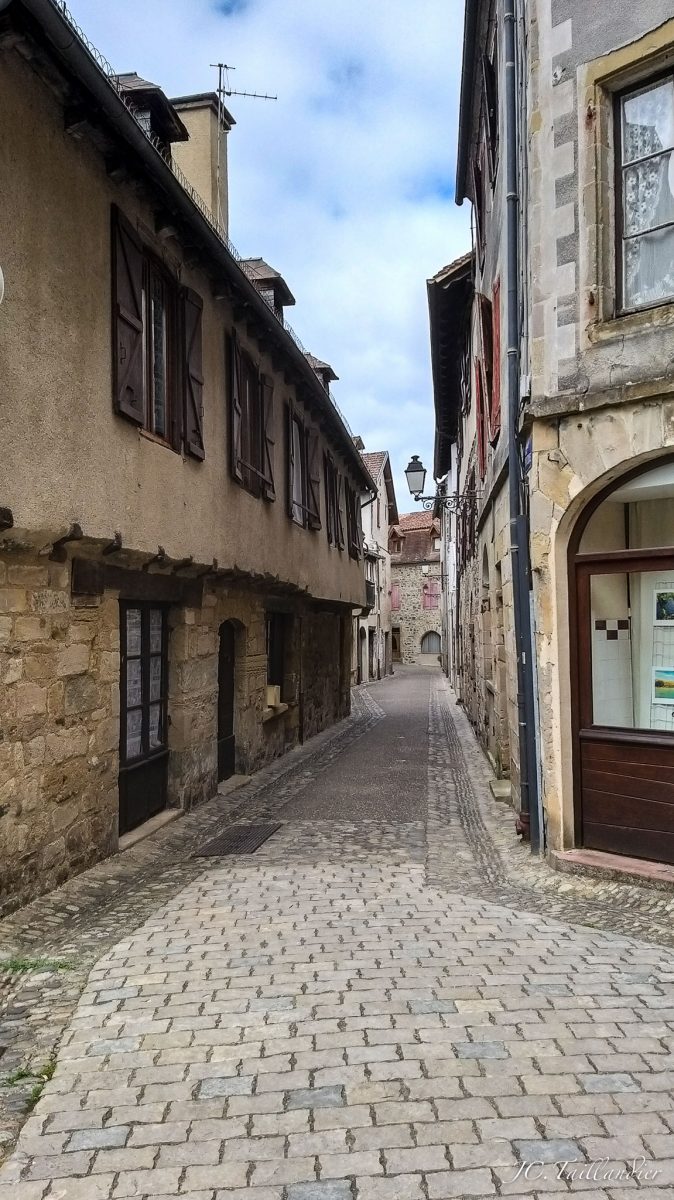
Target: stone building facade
593, 123
372, 634
180, 541
416, 589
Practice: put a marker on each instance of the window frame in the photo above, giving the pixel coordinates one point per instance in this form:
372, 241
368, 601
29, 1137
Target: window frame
145, 656
295, 423
277, 626
616, 98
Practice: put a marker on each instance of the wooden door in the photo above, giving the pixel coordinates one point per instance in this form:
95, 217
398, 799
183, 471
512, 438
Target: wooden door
226, 665
143, 753
624, 752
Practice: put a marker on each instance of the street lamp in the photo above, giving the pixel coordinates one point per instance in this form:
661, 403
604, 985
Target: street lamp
415, 473
416, 476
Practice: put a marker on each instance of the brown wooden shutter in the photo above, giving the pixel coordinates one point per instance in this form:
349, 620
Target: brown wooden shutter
193, 378
127, 319
267, 402
495, 413
338, 505
235, 406
313, 480
290, 456
329, 508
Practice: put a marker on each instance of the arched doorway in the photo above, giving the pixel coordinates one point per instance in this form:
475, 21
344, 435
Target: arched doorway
362, 654
430, 643
621, 559
226, 692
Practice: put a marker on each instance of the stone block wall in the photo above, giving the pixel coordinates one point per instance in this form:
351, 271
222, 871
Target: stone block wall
59, 727
414, 620
60, 705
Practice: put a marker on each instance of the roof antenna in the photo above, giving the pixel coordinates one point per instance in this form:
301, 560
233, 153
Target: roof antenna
225, 90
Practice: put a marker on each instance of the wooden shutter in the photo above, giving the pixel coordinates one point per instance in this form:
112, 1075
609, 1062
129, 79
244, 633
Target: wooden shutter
339, 523
486, 320
490, 111
235, 407
495, 410
290, 457
328, 472
395, 596
193, 377
479, 420
127, 320
267, 403
313, 480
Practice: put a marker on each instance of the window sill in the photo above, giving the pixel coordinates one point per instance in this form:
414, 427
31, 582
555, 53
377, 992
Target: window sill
630, 324
268, 714
158, 441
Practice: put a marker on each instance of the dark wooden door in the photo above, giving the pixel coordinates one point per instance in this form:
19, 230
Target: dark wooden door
143, 754
624, 775
226, 663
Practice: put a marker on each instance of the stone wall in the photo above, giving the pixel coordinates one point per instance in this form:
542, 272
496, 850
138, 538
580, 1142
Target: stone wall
59, 710
59, 727
573, 459
486, 666
413, 619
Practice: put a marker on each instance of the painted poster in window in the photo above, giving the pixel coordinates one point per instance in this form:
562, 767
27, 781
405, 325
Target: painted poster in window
663, 685
155, 630
134, 729
155, 678
134, 694
663, 607
133, 631
155, 726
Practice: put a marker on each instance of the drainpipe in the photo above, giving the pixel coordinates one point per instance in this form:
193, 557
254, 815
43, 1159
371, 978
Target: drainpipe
528, 821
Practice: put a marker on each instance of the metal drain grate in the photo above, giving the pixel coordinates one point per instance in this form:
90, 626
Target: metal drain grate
238, 839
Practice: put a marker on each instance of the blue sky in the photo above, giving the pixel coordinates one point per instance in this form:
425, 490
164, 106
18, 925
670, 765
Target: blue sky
344, 184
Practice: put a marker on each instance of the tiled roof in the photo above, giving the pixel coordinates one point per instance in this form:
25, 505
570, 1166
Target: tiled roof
416, 520
374, 461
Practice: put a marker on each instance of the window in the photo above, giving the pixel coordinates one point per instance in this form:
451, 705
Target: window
333, 502
144, 681
644, 153
251, 398
353, 522
395, 596
297, 477
277, 627
430, 643
431, 593
436, 543
490, 109
478, 205
157, 351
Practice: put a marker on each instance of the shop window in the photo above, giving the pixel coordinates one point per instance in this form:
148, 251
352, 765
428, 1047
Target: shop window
645, 160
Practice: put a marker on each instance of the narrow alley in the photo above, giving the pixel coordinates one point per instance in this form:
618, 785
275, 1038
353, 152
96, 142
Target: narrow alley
388, 999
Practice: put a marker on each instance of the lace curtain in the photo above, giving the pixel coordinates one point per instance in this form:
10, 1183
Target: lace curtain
648, 194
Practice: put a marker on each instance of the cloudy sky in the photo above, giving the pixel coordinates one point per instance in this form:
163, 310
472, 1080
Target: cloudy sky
344, 184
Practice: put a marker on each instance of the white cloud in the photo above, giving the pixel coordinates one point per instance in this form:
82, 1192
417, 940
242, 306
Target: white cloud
344, 183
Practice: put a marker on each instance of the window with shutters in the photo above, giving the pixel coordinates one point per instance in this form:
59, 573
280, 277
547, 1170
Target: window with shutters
251, 405
297, 468
490, 109
334, 489
395, 596
431, 593
353, 521
157, 355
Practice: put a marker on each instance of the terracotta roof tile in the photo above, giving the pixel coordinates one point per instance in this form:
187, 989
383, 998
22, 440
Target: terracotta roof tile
416, 520
374, 461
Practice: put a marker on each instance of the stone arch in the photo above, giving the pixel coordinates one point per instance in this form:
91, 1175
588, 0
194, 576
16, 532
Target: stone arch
586, 456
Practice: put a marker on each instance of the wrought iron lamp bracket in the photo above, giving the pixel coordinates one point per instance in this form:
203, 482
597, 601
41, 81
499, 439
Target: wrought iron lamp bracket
455, 503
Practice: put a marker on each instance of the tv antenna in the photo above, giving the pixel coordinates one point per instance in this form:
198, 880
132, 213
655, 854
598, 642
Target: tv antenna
225, 90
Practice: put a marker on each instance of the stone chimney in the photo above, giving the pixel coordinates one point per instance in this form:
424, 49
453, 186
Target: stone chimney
208, 124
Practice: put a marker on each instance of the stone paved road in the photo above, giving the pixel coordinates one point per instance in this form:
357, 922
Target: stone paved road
348, 1014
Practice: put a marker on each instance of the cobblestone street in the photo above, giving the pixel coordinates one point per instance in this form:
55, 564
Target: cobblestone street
389, 1000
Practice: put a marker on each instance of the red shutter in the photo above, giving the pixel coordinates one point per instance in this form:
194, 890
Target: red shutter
313, 480
127, 319
234, 356
495, 412
479, 419
267, 399
395, 595
193, 377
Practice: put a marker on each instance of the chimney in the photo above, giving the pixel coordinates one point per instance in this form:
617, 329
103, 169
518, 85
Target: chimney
203, 158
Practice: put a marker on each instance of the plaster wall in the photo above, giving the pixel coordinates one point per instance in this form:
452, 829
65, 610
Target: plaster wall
67, 456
